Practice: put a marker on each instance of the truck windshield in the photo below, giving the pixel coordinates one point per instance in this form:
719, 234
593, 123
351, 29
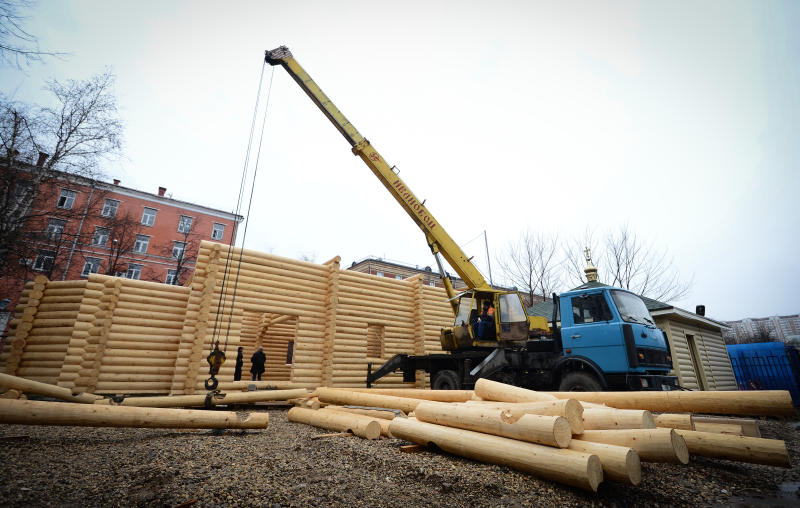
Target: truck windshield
631, 307
464, 306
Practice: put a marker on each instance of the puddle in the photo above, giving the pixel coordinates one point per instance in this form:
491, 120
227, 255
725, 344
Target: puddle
787, 496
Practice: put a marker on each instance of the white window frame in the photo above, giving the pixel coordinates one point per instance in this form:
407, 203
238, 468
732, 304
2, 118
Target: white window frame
55, 228
217, 227
171, 276
141, 244
379, 273
149, 219
185, 224
100, 233
40, 264
110, 207
178, 250
20, 189
66, 199
398, 277
433, 284
134, 271
92, 265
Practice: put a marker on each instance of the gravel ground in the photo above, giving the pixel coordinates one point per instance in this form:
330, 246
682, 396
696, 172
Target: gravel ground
282, 466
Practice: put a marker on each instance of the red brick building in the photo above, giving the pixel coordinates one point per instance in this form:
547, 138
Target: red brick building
77, 226
396, 270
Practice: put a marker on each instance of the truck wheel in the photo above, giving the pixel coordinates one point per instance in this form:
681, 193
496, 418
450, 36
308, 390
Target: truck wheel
579, 382
445, 380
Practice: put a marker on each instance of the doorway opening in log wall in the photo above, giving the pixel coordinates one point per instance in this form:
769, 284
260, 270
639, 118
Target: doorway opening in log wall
375, 336
273, 333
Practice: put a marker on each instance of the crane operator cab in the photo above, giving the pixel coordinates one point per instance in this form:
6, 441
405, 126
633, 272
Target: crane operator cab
484, 319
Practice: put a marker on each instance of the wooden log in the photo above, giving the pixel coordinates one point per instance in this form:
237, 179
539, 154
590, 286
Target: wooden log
749, 427
374, 413
436, 395
756, 403
755, 450
49, 390
350, 398
11, 394
620, 463
362, 426
652, 445
578, 469
492, 390
413, 448
570, 409
65, 413
610, 419
719, 428
332, 434
683, 421
258, 396
547, 430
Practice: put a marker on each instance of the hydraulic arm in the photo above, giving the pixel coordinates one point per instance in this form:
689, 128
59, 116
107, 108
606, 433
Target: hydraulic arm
438, 239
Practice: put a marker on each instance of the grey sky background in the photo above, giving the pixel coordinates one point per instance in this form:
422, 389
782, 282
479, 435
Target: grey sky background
681, 119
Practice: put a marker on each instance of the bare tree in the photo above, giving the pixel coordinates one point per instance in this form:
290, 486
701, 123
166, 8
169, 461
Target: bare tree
18, 47
532, 265
184, 251
41, 144
122, 231
641, 267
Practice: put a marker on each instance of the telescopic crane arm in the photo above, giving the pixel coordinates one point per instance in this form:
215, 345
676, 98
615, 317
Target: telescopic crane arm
438, 239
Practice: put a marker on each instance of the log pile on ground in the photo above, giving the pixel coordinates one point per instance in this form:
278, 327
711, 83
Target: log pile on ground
578, 439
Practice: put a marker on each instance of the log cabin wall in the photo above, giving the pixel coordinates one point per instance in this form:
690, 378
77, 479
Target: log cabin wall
139, 335
116, 335
39, 335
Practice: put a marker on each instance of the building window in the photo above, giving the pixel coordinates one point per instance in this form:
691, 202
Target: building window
432, 284
171, 277
140, 246
375, 341
379, 274
149, 216
134, 272
110, 208
55, 227
92, 265
398, 277
178, 248
44, 261
289, 352
217, 231
100, 236
20, 190
185, 224
66, 199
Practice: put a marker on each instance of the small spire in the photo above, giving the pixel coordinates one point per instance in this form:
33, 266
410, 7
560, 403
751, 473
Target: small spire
590, 270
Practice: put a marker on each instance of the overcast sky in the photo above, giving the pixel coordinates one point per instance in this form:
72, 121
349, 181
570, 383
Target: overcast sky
680, 119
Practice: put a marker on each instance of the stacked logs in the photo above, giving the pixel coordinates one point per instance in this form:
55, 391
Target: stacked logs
556, 436
114, 335
44, 330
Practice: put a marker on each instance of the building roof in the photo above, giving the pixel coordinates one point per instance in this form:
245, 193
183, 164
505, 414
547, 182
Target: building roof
655, 307
119, 189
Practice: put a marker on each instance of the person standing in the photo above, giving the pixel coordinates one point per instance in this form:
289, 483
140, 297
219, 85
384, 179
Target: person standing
258, 360
237, 371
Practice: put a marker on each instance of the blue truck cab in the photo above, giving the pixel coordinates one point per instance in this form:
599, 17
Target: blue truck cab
610, 333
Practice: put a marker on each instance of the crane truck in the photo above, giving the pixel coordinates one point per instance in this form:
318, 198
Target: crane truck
599, 337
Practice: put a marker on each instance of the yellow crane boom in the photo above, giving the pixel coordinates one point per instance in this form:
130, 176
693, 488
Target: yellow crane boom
438, 239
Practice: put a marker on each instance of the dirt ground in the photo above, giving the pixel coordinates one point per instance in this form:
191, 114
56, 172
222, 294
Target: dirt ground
282, 466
